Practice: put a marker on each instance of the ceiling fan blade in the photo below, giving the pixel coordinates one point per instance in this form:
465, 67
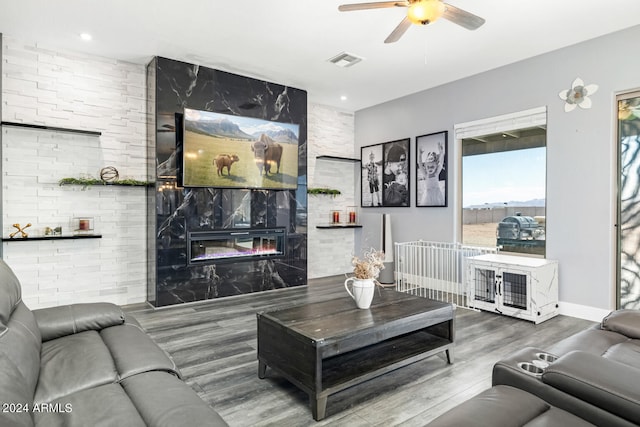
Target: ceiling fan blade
462, 17
373, 5
402, 27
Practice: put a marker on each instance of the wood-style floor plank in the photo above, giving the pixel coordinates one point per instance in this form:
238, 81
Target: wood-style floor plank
214, 345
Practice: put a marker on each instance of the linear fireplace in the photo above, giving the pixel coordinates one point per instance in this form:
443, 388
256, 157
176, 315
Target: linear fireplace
236, 245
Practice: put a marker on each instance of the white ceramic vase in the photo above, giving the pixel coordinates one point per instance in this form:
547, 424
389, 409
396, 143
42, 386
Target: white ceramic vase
361, 291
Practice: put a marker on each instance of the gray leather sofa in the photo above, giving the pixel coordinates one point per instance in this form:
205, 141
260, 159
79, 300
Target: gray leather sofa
593, 376
596, 374
616, 338
504, 406
86, 365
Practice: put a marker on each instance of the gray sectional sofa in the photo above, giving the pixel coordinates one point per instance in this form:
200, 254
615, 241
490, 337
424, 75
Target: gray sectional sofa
592, 377
87, 365
504, 406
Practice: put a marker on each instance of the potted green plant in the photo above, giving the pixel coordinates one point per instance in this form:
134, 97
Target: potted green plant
324, 191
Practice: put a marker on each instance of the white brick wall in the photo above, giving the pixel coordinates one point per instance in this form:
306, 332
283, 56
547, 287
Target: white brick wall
72, 90
63, 89
330, 133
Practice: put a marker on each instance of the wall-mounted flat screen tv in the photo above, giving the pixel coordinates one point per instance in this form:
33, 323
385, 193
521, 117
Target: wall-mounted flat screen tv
221, 150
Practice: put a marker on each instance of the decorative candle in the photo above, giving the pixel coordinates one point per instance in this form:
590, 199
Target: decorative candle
352, 217
83, 224
336, 217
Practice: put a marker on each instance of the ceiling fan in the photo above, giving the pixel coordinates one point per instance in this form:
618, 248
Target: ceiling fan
420, 12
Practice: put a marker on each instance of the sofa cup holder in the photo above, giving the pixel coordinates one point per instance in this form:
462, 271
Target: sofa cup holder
547, 357
530, 368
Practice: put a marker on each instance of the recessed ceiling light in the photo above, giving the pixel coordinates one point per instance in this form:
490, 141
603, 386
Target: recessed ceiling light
86, 36
343, 98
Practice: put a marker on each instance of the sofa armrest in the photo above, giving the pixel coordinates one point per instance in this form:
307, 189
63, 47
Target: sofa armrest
623, 321
64, 320
601, 382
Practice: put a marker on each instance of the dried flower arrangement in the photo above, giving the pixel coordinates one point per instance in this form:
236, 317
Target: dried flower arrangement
369, 267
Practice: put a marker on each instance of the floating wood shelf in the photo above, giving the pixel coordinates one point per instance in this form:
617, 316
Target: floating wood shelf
336, 158
98, 182
339, 226
79, 236
52, 128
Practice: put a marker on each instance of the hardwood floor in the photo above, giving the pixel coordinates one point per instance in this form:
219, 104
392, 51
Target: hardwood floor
214, 345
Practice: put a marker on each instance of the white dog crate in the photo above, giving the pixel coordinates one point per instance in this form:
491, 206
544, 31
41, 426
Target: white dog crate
517, 286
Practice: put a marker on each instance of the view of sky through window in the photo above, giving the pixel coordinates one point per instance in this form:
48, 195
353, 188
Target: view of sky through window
498, 178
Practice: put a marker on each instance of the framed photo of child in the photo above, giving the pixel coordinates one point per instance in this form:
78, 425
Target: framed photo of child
371, 188
385, 174
395, 174
431, 171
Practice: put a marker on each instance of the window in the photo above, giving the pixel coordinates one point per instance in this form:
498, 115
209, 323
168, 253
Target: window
628, 249
503, 183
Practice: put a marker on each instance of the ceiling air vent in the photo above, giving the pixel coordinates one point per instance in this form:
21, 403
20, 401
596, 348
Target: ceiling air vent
345, 59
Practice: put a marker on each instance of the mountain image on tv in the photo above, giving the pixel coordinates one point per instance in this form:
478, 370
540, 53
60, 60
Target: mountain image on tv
218, 127
221, 150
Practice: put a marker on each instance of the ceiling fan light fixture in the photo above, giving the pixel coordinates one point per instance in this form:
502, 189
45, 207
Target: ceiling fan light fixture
424, 12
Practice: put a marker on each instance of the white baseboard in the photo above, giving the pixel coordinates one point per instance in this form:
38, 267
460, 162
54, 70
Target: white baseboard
582, 311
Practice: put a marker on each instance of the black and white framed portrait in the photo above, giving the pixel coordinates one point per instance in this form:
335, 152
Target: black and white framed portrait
431, 172
395, 174
371, 188
385, 174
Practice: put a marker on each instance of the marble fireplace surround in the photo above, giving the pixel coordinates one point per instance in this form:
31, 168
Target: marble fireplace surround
175, 212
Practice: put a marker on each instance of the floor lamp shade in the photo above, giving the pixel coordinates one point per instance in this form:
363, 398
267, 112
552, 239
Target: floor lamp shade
386, 275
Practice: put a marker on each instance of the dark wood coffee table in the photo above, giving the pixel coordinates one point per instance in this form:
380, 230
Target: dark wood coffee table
328, 346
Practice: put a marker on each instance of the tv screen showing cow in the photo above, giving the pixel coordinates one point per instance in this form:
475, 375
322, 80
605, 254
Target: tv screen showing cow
221, 150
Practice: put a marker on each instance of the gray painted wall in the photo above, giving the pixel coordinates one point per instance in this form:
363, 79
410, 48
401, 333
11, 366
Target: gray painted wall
581, 152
